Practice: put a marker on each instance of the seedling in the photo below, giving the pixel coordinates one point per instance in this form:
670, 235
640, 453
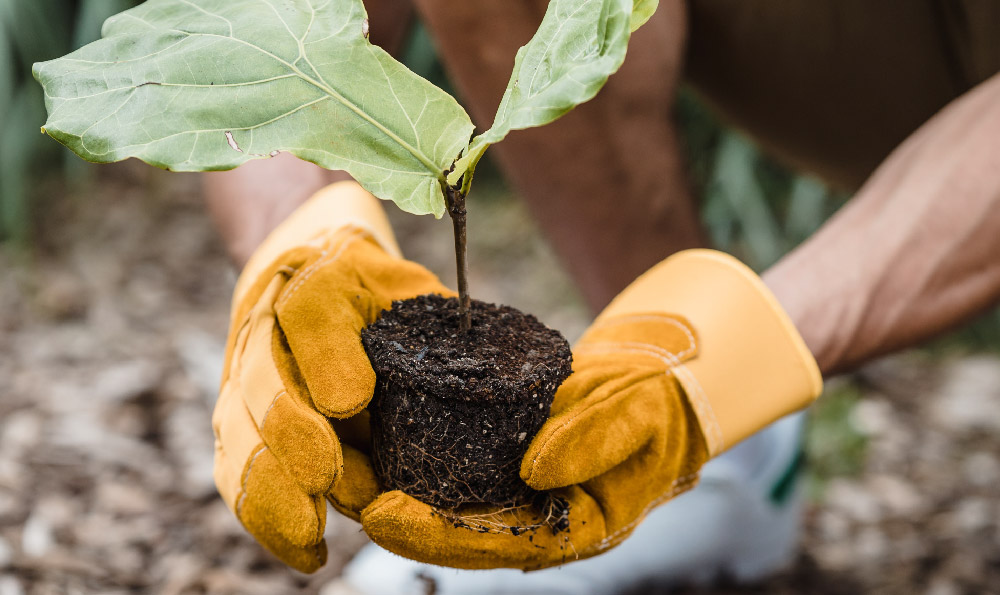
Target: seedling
201, 85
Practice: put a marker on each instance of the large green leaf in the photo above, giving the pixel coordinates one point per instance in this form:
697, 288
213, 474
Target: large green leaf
196, 85
579, 44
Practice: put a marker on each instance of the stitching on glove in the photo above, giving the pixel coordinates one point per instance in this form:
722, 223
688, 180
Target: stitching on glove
664, 356
699, 400
703, 408
325, 258
232, 357
243, 484
653, 317
606, 347
271, 406
678, 486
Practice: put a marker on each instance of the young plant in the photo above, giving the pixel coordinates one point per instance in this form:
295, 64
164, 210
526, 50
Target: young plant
203, 85
198, 85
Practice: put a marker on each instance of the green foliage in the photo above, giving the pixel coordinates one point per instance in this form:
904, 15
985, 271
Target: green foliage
980, 334
578, 45
209, 86
32, 30
834, 446
26, 32
752, 206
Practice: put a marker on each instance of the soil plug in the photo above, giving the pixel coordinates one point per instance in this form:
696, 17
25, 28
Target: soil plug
454, 412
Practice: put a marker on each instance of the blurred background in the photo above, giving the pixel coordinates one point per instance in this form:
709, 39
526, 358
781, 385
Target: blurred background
114, 298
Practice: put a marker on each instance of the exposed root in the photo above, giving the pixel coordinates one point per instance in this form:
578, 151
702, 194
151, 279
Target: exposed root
546, 510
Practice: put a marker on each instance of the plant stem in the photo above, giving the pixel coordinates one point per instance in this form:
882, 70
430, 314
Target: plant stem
456, 208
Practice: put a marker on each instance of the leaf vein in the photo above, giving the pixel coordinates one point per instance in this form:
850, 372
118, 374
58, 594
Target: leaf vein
206, 130
426, 161
211, 14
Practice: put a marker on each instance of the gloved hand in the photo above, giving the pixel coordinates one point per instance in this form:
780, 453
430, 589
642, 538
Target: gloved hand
691, 358
294, 359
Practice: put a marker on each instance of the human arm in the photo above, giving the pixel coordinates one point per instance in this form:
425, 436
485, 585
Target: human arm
914, 253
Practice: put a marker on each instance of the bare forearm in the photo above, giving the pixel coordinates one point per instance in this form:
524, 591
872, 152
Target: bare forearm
916, 251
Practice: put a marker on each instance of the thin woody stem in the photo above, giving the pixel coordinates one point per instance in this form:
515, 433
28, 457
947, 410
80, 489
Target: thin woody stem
456, 208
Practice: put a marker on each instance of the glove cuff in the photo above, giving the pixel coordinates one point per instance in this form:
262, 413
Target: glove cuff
331, 208
752, 367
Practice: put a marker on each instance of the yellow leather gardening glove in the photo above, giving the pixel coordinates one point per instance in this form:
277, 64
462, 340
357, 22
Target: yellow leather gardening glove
690, 359
290, 422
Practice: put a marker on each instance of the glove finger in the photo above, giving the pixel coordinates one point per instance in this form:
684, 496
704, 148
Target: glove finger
483, 538
617, 419
272, 501
325, 306
296, 434
648, 341
238, 444
320, 314
304, 558
581, 383
358, 487
236, 439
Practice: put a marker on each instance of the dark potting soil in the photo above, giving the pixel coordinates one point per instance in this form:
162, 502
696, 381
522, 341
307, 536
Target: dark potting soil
454, 412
